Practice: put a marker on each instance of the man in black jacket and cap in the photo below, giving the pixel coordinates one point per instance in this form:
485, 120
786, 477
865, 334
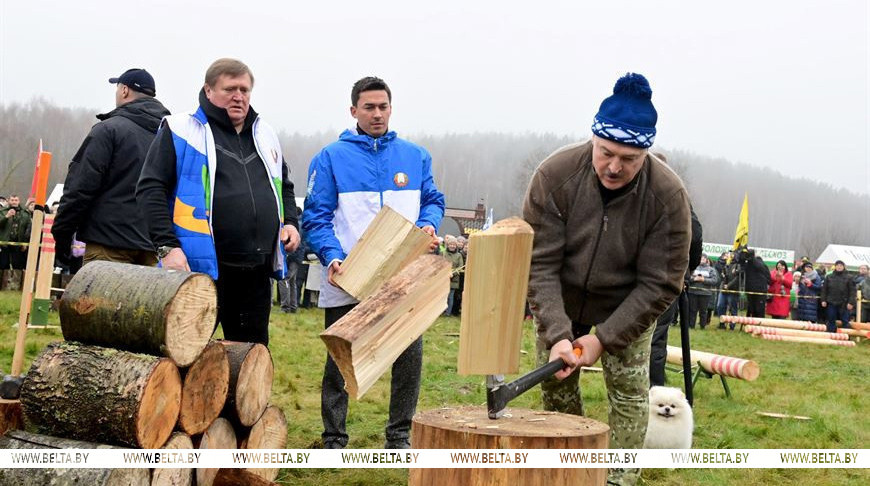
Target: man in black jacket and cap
99, 197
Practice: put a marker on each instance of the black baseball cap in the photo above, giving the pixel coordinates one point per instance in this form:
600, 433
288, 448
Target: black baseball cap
137, 80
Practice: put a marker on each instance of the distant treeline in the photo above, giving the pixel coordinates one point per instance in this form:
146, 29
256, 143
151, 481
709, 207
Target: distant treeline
785, 212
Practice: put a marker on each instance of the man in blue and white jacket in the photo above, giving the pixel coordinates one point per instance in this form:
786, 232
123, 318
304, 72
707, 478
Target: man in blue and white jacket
213, 189
348, 183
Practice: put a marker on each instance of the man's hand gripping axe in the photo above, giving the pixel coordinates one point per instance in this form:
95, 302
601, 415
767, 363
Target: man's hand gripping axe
499, 393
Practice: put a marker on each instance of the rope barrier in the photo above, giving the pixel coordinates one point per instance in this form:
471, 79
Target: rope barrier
729, 291
13, 243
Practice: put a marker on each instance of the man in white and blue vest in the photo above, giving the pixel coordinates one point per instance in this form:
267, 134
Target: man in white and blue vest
213, 189
348, 183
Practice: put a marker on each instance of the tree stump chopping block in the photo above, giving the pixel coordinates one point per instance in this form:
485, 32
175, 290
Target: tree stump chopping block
142, 309
102, 395
471, 428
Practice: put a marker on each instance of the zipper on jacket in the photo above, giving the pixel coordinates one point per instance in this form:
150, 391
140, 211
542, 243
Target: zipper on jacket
601, 229
248, 177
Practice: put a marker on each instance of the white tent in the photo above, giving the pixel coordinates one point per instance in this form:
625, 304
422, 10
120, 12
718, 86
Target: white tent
852, 256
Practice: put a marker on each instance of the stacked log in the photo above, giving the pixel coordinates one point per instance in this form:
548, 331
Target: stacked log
17, 439
138, 370
142, 309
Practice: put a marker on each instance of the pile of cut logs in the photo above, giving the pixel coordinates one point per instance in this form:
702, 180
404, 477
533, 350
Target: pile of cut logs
797, 331
138, 369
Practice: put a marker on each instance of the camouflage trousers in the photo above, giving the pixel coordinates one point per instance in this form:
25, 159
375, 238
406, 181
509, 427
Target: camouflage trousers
626, 376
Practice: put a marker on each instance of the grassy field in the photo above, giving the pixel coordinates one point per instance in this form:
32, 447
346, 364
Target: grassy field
828, 384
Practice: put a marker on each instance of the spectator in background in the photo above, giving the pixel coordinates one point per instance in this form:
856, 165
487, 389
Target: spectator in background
757, 282
838, 296
14, 228
865, 300
98, 205
780, 287
3, 202
462, 247
809, 289
288, 297
704, 279
796, 279
455, 258
729, 297
862, 275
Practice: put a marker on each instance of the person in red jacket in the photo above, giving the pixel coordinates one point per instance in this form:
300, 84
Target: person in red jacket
780, 286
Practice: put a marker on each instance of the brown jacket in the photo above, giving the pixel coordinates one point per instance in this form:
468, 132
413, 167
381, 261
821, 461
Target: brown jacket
616, 267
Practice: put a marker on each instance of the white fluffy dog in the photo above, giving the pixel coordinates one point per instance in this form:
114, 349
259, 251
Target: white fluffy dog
670, 420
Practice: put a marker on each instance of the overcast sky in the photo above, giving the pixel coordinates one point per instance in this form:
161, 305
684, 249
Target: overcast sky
776, 84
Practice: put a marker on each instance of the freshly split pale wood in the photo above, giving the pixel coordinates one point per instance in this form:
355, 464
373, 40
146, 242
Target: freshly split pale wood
388, 244
796, 332
174, 476
20, 439
102, 395
369, 338
204, 389
798, 339
219, 435
469, 428
250, 383
149, 310
718, 364
270, 432
494, 299
240, 477
781, 323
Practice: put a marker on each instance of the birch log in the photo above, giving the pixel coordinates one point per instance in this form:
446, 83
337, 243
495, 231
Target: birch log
270, 432
174, 476
219, 435
102, 395
142, 309
64, 477
204, 389
250, 383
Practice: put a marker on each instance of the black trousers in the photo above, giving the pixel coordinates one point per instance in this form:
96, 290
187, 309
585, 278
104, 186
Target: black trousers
755, 305
244, 298
404, 391
658, 354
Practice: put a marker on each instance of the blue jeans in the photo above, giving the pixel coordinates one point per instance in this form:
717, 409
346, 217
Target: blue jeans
727, 304
837, 312
449, 310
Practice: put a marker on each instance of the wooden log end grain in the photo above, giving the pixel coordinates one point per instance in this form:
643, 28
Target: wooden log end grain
142, 309
102, 395
174, 476
240, 477
219, 435
270, 432
11, 415
204, 390
250, 384
470, 428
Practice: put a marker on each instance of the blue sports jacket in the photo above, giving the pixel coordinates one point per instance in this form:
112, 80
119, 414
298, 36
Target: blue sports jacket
348, 183
190, 205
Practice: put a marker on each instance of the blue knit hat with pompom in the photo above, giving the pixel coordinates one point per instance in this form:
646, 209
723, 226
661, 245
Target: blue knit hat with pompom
628, 115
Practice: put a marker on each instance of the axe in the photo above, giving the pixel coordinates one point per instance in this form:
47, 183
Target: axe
499, 393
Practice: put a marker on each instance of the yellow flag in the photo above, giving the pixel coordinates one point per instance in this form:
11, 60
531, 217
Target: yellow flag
741, 237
